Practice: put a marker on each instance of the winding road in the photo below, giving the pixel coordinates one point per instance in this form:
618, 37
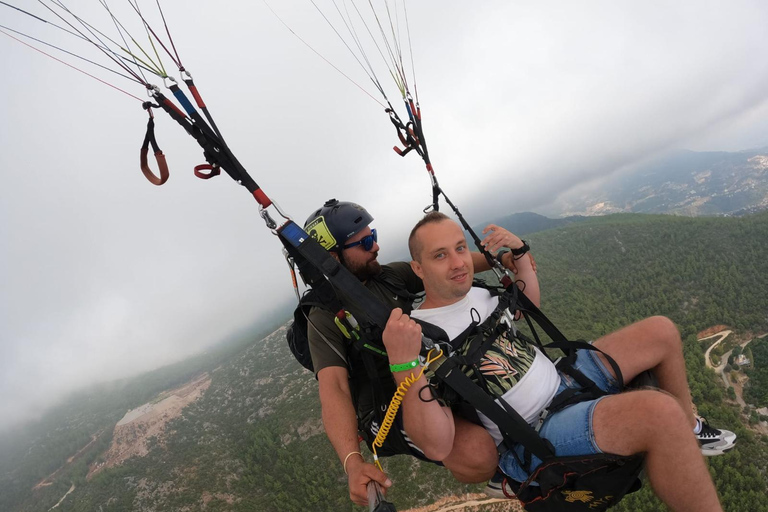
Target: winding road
723, 335
724, 361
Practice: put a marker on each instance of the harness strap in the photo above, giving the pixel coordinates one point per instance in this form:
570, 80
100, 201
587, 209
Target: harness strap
321, 270
478, 347
567, 365
559, 341
513, 427
379, 397
149, 139
322, 336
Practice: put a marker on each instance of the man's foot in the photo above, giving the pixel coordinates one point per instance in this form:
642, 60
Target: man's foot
714, 441
497, 487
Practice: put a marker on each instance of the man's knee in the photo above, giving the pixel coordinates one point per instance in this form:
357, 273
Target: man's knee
662, 409
665, 328
632, 422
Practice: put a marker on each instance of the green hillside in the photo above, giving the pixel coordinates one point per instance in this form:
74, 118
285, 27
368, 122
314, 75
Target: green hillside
254, 441
610, 271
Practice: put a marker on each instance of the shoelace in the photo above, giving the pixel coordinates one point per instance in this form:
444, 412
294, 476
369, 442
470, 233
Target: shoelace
707, 431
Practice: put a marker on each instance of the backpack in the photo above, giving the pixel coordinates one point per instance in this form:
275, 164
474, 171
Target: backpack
297, 335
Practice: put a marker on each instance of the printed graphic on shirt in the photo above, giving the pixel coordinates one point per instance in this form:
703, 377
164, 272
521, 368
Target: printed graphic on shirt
503, 365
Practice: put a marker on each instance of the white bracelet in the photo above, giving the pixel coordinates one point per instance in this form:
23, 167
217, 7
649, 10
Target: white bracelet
347, 458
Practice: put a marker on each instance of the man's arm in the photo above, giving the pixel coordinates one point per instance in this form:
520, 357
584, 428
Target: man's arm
525, 272
496, 238
429, 425
340, 424
522, 266
328, 348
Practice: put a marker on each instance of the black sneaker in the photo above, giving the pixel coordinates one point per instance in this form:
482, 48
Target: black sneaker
714, 441
497, 488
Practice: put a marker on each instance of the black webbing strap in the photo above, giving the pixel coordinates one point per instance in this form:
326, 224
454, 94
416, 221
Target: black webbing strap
149, 139
321, 270
559, 341
578, 344
512, 426
515, 299
380, 400
327, 288
316, 264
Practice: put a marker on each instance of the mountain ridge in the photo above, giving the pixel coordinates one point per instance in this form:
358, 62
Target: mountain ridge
682, 182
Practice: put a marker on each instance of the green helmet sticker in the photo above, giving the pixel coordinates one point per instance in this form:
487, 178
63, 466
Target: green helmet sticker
318, 230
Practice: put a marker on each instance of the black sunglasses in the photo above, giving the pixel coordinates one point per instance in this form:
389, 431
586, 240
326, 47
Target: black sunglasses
367, 241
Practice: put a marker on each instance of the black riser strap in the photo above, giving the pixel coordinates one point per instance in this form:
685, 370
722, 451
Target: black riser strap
345, 283
541, 319
512, 426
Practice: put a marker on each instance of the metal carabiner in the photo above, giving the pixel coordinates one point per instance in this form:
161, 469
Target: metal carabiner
270, 222
167, 79
153, 91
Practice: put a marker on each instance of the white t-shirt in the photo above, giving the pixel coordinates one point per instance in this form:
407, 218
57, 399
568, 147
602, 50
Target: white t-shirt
534, 377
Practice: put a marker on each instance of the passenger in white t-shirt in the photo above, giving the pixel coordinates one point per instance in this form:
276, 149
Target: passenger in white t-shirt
529, 379
656, 423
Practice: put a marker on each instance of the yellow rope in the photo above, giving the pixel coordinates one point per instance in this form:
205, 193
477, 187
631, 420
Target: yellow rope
394, 405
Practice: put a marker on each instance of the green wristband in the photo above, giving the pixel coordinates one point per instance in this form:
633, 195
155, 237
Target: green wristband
404, 366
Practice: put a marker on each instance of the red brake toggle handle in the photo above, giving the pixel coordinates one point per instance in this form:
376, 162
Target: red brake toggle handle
215, 171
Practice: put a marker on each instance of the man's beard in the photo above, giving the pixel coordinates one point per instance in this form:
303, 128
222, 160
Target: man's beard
364, 271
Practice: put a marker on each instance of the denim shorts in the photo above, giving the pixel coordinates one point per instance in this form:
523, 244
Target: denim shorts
569, 430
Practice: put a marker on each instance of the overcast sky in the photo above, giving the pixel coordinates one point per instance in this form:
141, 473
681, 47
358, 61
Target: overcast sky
103, 275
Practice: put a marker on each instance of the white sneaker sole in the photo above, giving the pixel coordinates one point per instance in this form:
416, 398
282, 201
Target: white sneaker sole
717, 451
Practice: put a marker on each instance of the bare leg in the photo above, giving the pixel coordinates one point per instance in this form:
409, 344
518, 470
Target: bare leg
474, 457
652, 344
653, 422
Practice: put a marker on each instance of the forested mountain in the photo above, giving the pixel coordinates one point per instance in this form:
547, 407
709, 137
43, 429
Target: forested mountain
528, 222
254, 442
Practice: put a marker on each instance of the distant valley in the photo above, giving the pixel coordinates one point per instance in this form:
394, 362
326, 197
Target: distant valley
682, 183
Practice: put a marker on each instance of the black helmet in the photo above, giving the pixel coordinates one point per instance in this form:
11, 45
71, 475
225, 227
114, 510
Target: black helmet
337, 221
